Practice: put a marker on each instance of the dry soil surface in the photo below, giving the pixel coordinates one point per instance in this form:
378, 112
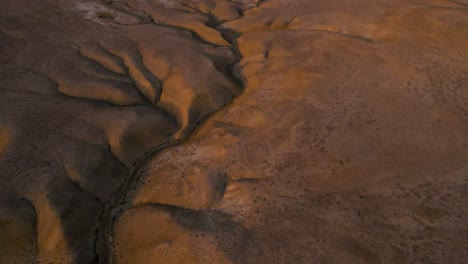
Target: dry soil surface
233, 131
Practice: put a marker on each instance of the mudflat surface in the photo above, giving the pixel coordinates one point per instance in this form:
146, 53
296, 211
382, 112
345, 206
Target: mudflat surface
241, 131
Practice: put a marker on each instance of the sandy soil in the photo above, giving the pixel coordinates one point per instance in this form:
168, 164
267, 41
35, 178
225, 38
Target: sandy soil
241, 131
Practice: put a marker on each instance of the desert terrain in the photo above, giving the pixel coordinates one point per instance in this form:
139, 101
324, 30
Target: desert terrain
233, 131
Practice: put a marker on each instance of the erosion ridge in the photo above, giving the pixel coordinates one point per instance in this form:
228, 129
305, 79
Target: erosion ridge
331, 176
124, 137
112, 211
102, 75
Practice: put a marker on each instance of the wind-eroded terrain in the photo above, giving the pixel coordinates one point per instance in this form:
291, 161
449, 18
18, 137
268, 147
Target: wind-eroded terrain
233, 131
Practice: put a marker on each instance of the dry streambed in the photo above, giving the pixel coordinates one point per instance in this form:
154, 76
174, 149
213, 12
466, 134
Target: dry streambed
124, 137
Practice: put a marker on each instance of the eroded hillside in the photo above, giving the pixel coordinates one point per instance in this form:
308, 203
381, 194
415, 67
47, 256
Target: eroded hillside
215, 131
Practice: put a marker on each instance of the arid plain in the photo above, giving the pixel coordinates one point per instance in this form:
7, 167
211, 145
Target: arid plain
233, 131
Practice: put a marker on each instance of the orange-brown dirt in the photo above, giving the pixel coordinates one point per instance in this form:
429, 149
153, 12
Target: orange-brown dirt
233, 131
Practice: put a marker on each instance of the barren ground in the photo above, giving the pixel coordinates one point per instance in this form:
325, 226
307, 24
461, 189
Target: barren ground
233, 131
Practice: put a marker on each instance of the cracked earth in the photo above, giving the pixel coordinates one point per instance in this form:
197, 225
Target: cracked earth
233, 131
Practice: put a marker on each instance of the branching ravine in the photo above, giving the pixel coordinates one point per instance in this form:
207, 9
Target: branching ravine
104, 248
